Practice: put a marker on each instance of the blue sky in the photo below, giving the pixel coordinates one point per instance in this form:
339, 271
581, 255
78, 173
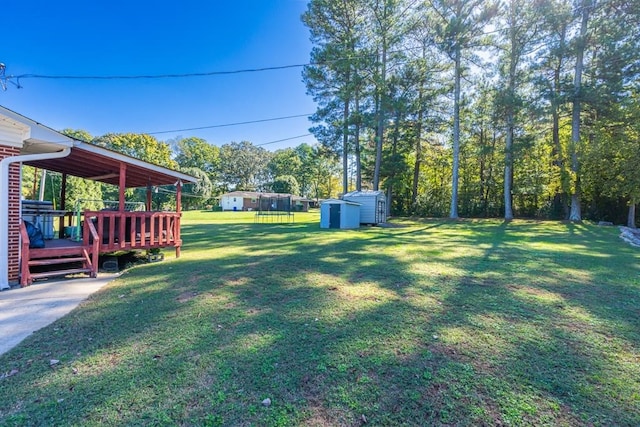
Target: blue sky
89, 38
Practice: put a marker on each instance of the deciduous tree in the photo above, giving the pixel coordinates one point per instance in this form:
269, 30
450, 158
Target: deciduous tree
243, 166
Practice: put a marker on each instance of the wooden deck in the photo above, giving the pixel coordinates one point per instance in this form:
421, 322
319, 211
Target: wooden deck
61, 253
59, 244
102, 232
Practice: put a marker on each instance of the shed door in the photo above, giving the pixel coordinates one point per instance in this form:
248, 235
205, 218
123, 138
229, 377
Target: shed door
381, 212
334, 216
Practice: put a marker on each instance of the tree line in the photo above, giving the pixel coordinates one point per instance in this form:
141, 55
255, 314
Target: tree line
482, 107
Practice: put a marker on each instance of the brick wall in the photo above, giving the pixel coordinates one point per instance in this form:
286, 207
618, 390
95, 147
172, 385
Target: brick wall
14, 212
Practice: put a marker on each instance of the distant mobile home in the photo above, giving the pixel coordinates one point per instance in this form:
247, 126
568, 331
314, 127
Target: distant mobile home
373, 206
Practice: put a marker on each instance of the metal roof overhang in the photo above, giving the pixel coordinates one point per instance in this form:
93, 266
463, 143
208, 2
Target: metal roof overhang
100, 164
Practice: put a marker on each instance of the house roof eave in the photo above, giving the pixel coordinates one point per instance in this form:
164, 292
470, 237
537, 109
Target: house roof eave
86, 160
37, 138
123, 158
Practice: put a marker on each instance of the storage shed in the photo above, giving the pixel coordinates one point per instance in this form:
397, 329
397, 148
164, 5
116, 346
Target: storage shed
339, 214
373, 206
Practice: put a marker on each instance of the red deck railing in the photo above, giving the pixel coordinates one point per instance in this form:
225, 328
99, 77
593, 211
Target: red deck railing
102, 232
134, 230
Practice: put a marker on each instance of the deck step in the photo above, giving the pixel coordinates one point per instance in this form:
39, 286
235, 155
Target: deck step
60, 273
53, 261
57, 252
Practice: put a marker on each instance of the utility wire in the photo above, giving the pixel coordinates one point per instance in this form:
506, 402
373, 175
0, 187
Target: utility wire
17, 78
155, 76
229, 124
183, 193
284, 139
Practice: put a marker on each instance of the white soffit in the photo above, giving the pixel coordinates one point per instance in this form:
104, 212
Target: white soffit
31, 136
12, 132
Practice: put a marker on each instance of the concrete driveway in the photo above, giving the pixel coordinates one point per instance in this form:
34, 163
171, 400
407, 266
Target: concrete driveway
25, 310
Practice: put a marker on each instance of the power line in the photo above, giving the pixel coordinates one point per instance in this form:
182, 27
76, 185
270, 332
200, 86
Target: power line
284, 139
183, 193
17, 78
154, 76
229, 124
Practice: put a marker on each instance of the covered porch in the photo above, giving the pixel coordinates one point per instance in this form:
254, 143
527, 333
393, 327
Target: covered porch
113, 229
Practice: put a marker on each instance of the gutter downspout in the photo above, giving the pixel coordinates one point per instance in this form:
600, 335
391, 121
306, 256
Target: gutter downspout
4, 201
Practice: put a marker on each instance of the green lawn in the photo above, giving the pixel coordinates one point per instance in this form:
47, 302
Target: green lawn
474, 322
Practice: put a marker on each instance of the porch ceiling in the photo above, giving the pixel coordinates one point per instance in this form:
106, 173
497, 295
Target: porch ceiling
99, 164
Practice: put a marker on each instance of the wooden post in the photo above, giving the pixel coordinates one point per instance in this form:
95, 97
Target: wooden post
178, 211
149, 206
122, 187
121, 207
179, 196
63, 196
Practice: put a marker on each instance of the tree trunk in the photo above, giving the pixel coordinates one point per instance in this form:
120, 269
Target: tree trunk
481, 172
356, 148
508, 169
453, 211
345, 148
558, 160
490, 175
381, 117
560, 198
631, 219
575, 214
510, 117
418, 164
394, 152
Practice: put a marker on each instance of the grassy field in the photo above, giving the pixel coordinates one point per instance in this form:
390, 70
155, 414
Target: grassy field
475, 322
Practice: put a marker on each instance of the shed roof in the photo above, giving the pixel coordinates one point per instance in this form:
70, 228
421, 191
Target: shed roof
339, 202
364, 193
